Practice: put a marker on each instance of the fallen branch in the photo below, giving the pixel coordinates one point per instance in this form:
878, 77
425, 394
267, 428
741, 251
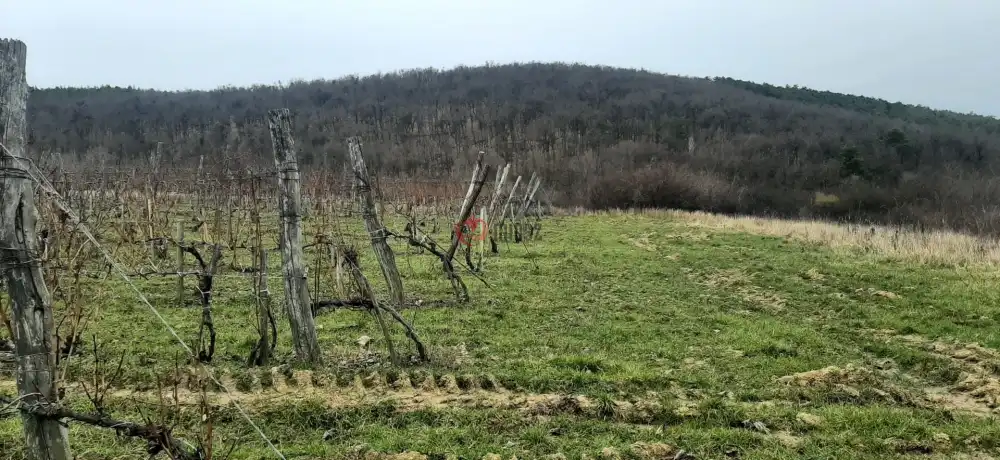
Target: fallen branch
323, 306
159, 439
377, 307
358, 304
419, 239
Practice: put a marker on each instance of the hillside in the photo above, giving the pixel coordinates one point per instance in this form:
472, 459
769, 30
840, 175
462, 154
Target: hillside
720, 337
602, 137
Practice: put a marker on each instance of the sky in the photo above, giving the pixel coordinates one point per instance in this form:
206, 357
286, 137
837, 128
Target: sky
939, 53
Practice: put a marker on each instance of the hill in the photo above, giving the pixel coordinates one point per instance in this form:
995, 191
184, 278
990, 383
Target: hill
601, 137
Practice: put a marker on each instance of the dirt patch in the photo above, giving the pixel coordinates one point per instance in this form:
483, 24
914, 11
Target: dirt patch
638, 450
642, 242
788, 439
738, 281
653, 450
872, 292
850, 383
427, 391
977, 390
830, 375
641, 411
813, 275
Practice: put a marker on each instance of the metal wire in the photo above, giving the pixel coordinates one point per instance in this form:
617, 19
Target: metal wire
45, 184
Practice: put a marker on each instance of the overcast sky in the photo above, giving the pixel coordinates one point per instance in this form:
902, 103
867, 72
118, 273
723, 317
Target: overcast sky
940, 53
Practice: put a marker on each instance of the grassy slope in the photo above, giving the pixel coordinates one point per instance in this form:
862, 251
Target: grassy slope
615, 307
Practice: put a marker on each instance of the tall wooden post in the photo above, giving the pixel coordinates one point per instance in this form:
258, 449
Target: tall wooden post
479, 174
180, 263
292, 260
376, 231
503, 211
34, 344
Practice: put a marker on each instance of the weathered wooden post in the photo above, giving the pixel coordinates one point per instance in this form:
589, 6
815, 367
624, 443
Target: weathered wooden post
479, 174
529, 194
34, 342
376, 231
180, 263
497, 191
293, 262
484, 233
503, 211
491, 210
264, 344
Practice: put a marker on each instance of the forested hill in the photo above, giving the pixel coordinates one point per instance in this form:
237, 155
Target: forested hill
600, 136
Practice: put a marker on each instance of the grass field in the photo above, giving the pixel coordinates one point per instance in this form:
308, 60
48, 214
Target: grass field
618, 335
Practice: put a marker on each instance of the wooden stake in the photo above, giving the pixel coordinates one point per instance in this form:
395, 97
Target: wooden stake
376, 231
297, 302
180, 264
479, 174
31, 306
262, 355
503, 211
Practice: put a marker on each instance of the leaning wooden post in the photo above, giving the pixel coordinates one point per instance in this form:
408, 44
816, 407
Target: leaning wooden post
292, 260
475, 187
503, 211
45, 438
376, 231
497, 191
492, 208
529, 196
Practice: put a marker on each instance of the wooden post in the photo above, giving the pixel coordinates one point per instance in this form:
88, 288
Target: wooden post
293, 262
530, 195
484, 234
180, 264
263, 351
479, 174
497, 190
337, 258
492, 209
376, 231
506, 205
45, 438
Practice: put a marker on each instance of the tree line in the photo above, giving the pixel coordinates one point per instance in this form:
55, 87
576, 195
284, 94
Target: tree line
601, 136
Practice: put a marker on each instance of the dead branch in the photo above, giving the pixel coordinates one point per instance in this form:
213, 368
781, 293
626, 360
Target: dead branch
377, 307
366, 290
323, 306
159, 439
417, 238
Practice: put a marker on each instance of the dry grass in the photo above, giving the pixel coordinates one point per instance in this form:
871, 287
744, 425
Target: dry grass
931, 247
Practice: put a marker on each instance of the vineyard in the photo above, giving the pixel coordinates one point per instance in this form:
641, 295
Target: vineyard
229, 311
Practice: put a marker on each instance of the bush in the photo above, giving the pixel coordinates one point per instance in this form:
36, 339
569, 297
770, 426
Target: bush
665, 185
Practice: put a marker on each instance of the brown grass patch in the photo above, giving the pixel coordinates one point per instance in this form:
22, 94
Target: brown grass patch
850, 383
741, 283
928, 247
978, 388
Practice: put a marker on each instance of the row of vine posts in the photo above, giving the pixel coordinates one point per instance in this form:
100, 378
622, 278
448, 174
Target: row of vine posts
36, 341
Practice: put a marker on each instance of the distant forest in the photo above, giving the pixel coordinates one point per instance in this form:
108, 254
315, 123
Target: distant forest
600, 137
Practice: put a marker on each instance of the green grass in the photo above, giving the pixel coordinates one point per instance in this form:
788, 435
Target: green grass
624, 307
